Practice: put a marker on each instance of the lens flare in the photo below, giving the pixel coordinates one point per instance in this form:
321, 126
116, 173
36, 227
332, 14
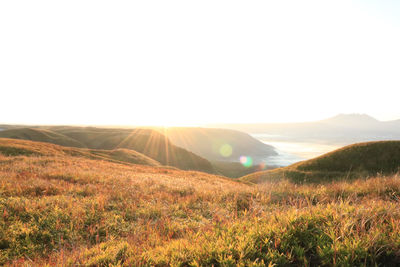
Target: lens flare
246, 161
225, 150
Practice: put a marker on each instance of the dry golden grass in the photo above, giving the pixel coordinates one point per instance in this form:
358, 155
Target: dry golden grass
58, 208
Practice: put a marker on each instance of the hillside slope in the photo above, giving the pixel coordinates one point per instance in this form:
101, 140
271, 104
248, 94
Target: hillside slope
59, 208
146, 141
362, 159
210, 144
11, 147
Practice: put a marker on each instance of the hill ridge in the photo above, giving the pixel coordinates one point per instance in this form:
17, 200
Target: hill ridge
352, 161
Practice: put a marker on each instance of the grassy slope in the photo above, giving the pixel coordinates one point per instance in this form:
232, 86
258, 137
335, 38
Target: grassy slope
148, 142
353, 161
59, 209
10, 147
125, 155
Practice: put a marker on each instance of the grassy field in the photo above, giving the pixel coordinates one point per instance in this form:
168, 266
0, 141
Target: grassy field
62, 208
350, 162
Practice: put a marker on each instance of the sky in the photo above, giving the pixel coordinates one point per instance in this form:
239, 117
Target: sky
197, 62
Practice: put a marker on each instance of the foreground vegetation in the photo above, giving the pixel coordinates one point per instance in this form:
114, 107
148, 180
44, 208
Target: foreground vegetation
68, 209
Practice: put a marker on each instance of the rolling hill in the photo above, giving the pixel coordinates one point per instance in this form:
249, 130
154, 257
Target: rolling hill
62, 206
353, 161
145, 141
11, 147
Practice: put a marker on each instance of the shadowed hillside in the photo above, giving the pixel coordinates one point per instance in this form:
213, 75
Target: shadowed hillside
41, 135
59, 207
353, 161
148, 142
237, 169
220, 144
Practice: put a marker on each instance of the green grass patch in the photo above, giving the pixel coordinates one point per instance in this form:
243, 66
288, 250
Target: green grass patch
350, 162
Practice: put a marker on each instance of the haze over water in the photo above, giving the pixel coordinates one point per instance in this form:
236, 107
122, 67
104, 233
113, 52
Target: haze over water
290, 152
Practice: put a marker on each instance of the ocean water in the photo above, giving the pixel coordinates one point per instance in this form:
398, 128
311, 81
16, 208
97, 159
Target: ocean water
291, 152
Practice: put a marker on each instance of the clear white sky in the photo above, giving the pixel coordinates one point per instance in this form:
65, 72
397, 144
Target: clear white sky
193, 62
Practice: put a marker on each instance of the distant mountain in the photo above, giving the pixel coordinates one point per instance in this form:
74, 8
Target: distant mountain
148, 142
353, 120
341, 129
353, 161
220, 144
